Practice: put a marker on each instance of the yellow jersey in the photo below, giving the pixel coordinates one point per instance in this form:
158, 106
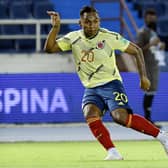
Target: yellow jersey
94, 58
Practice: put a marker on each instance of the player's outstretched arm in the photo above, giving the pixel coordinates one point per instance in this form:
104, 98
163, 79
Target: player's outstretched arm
51, 45
136, 51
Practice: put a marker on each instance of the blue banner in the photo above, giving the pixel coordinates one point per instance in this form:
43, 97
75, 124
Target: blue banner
56, 97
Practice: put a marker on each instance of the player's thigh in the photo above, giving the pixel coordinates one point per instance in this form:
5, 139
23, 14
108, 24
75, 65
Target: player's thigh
92, 103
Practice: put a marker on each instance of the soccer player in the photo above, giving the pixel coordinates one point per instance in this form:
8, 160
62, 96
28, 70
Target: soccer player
93, 50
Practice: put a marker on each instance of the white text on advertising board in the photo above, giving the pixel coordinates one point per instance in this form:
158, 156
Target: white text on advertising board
31, 100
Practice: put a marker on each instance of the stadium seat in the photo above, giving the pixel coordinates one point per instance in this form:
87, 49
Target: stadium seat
159, 7
19, 10
67, 28
4, 10
26, 45
162, 26
7, 45
162, 29
1, 32
39, 1
23, 9
165, 4
39, 10
29, 29
12, 29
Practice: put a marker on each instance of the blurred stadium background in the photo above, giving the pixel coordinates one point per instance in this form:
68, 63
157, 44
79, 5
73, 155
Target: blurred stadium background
41, 93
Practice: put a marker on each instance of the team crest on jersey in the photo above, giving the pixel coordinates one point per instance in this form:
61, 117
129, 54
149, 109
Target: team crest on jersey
100, 44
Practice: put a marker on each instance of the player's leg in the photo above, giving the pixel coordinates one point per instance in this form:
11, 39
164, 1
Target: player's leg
92, 116
92, 106
122, 113
134, 121
140, 124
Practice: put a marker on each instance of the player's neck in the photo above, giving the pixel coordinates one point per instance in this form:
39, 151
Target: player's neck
91, 37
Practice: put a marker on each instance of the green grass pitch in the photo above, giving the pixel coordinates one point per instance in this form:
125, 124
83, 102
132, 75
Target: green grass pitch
137, 154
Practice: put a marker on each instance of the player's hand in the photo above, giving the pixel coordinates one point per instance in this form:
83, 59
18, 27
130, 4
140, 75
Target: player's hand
55, 18
145, 83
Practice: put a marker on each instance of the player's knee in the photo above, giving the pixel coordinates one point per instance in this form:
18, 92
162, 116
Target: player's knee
91, 110
120, 116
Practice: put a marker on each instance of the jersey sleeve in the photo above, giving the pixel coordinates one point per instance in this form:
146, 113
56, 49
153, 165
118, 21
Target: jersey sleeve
64, 42
120, 43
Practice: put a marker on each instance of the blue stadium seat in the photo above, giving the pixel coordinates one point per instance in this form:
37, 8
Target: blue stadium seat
4, 1
164, 1
7, 45
39, 10
142, 5
162, 30
26, 45
29, 29
165, 4
12, 29
1, 32
20, 10
64, 29
4, 10
65, 8
138, 4
159, 7
39, 1
162, 26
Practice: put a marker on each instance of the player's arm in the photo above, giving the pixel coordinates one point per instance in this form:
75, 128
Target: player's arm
136, 51
51, 45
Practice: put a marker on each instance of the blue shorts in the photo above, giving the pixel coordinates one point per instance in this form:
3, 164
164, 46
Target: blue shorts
107, 97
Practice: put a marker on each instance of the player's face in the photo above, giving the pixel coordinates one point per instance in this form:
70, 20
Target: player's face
90, 23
